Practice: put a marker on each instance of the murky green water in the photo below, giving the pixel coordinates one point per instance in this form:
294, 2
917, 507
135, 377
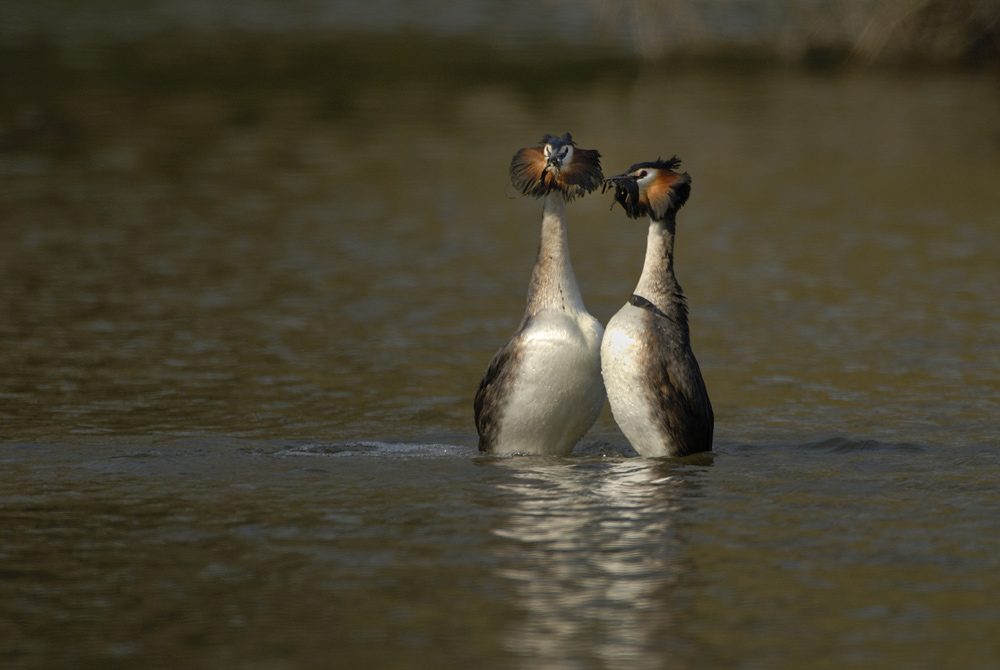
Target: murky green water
245, 301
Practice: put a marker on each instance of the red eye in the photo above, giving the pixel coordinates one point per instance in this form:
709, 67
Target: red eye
643, 174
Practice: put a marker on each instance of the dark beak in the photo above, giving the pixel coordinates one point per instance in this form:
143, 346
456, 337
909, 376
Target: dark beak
616, 182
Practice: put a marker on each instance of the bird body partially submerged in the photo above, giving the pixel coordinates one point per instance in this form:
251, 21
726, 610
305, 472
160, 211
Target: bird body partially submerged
655, 387
543, 389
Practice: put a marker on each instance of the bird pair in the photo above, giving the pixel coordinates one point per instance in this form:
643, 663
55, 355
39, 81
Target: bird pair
546, 386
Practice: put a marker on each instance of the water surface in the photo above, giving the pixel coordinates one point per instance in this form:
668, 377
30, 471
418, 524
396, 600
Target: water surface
246, 301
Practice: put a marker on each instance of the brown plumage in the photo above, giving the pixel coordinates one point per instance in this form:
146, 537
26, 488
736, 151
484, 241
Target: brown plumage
654, 383
556, 165
542, 390
494, 386
669, 191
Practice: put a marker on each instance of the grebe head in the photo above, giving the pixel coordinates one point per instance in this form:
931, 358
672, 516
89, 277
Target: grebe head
556, 165
651, 189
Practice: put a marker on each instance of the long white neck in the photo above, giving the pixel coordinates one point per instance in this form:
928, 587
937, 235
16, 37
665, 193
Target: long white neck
553, 284
657, 282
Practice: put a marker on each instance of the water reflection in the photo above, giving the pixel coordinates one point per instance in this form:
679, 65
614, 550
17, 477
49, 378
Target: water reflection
594, 556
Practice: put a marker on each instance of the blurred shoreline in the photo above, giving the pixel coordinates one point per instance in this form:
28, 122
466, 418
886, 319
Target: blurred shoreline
954, 33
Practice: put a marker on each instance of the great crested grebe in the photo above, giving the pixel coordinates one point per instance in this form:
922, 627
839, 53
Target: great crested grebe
543, 389
653, 381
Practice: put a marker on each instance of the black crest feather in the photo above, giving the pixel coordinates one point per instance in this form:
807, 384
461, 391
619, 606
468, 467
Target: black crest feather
671, 164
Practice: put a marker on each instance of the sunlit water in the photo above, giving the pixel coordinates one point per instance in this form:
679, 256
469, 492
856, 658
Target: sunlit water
244, 307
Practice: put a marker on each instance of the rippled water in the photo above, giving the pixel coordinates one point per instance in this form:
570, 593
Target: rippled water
246, 300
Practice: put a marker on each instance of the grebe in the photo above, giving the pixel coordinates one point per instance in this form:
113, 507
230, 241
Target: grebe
654, 385
543, 388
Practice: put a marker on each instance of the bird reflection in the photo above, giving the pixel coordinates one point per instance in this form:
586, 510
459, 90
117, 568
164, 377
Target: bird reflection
593, 555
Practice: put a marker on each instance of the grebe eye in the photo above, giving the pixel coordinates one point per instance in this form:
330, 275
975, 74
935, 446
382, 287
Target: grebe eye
642, 175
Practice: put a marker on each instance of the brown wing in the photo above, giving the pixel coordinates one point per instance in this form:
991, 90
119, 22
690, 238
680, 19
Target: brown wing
681, 399
494, 388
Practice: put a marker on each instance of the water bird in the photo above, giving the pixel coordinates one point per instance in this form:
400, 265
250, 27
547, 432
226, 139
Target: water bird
543, 389
653, 381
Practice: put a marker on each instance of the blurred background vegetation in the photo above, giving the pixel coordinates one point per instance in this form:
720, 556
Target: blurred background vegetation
897, 32
234, 49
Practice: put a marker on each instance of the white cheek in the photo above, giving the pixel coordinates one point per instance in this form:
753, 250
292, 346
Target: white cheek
646, 181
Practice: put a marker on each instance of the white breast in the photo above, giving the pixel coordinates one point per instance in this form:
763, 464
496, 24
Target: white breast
558, 392
624, 357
